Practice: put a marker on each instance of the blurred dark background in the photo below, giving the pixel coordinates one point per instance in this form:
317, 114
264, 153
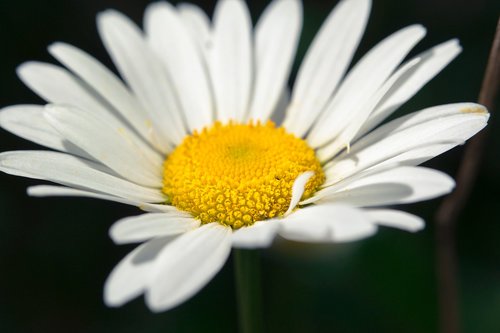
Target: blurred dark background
55, 253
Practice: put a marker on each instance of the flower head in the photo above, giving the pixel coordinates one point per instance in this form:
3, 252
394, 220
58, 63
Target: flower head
187, 135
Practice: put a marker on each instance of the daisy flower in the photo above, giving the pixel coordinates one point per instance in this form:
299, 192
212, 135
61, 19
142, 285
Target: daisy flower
186, 135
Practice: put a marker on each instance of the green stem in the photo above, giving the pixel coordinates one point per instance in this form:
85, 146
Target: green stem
248, 291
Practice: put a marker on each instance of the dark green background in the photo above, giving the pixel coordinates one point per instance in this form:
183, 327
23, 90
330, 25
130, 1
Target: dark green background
55, 253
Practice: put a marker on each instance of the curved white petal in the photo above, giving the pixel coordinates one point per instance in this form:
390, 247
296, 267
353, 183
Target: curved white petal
56, 85
298, 188
107, 144
361, 113
432, 62
74, 172
230, 60
276, 37
61, 191
198, 24
332, 187
423, 153
28, 122
362, 82
144, 227
170, 38
425, 116
370, 195
396, 219
187, 264
446, 124
105, 83
259, 235
425, 183
327, 223
144, 74
416, 184
130, 277
326, 63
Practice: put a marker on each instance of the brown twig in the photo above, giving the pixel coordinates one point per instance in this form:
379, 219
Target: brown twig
450, 209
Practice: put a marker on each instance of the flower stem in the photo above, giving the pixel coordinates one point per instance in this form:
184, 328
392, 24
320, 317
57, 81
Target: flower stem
248, 290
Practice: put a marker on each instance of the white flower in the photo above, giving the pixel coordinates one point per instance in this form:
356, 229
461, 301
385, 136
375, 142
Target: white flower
320, 178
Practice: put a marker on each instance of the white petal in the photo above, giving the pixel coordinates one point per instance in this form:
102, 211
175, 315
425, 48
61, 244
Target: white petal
327, 223
28, 122
170, 38
362, 82
276, 37
396, 219
371, 195
421, 154
433, 61
415, 184
298, 188
198, 24
231, 60
361, 113
187, 264
332, 187
130, 277
259, 235
58, 191
424, 183
57, 85
325, 63
445, 124
74, 172
144, 74
105, 83
144, 227
111, 146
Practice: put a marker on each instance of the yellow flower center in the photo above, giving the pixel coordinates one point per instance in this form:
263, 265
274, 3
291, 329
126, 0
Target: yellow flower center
238, 174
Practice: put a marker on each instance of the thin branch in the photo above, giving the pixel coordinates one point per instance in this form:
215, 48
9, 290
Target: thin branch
452, 206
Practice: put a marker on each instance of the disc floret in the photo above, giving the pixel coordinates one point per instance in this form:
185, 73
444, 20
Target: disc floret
238, 174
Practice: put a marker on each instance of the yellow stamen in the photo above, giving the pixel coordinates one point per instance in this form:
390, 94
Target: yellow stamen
237, 174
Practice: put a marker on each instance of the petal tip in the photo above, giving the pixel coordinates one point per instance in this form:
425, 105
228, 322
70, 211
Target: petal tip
56, 47
419, 30
475, 109
417, 227
23, 68
107, 16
